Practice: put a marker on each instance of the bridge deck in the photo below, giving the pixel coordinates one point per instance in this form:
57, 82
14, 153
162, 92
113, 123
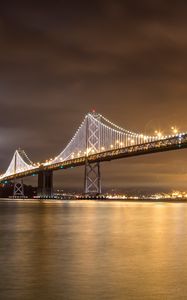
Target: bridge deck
172, 143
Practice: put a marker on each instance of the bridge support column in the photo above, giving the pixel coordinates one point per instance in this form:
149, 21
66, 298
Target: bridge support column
18, 189
92, 179
45, 184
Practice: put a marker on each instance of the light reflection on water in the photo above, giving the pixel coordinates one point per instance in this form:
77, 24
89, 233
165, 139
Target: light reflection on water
92, 250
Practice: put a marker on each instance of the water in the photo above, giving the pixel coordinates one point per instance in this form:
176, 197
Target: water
92, 250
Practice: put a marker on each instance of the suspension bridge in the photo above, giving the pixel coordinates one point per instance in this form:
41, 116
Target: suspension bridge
96, 140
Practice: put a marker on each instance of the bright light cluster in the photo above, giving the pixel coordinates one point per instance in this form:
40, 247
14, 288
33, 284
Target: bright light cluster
175, 195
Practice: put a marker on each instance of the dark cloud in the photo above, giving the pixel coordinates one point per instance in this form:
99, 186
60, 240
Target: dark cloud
60, 59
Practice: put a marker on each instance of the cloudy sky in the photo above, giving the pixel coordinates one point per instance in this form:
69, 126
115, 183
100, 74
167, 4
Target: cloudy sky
127, 59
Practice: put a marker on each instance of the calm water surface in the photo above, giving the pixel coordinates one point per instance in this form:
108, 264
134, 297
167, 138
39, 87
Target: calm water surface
92, 250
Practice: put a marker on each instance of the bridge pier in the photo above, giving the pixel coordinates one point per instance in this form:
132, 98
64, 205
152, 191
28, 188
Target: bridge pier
92, 179
18, 189
45, 184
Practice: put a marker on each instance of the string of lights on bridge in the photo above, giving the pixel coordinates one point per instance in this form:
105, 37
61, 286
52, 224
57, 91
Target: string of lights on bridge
95, 134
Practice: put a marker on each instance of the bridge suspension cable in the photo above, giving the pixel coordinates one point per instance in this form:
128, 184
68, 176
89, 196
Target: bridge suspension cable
19, 163
97, 134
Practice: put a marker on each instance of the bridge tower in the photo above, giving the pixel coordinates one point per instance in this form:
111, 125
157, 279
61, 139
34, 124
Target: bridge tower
18, 183
18, 189
45, 184
92, 177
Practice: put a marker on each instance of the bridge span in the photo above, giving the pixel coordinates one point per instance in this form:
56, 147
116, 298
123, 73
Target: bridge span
96, 140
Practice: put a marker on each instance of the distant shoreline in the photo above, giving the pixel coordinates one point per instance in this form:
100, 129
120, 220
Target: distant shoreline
168, 200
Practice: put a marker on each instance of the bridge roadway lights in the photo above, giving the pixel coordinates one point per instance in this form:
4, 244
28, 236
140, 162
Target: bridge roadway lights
45, 184
92, 179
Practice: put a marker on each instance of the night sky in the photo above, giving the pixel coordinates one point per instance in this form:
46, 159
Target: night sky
126, 59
